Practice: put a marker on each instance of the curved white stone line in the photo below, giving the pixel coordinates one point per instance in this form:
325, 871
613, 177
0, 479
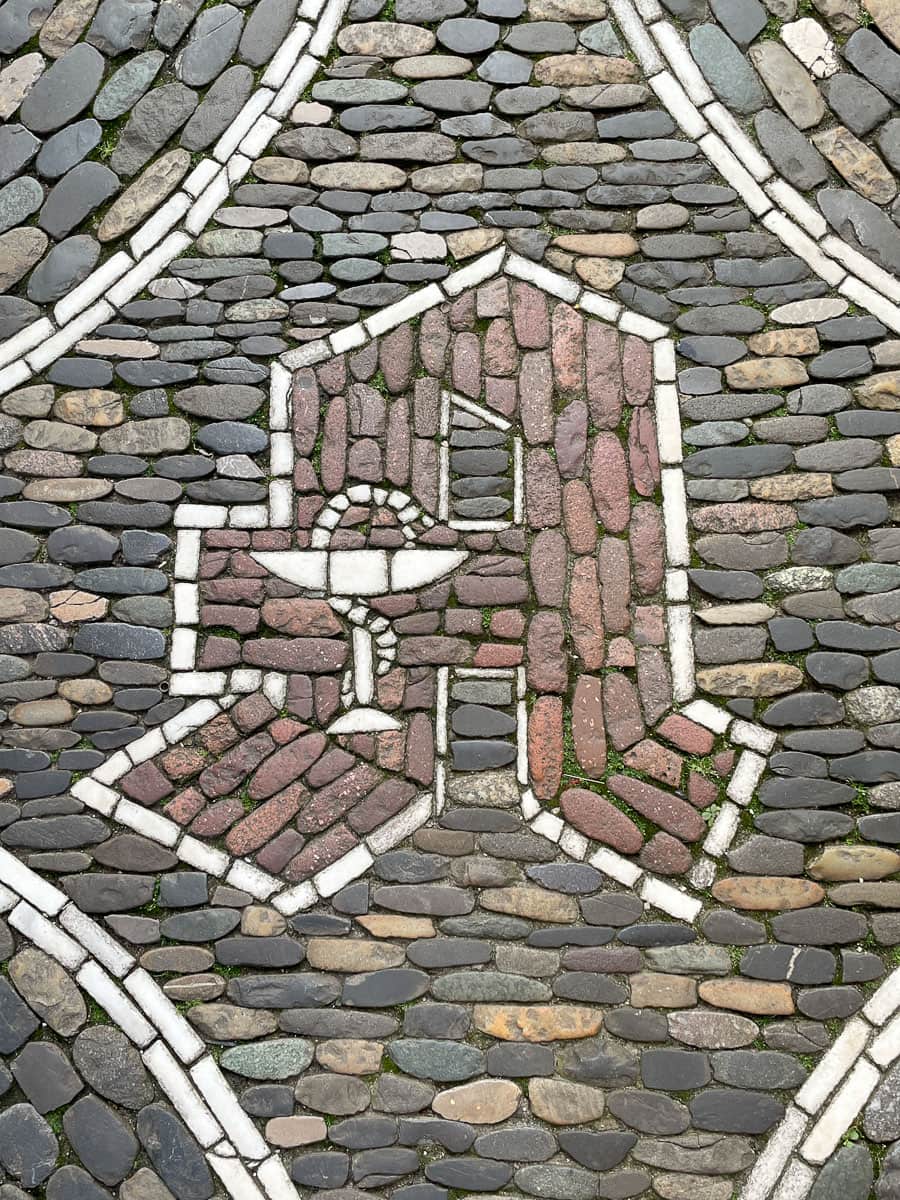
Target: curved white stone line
168, 231
170, 1049
780, 208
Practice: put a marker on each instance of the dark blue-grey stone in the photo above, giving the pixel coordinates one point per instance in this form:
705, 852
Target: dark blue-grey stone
213, 40
67, 265
384, 989
153, 120
28, 1146
64, 90
174, 1153
443, 1061
101, 1139
122, 581
45, 1075
17, 148
862, 223
598, 1151
232, 437
321, 1169
68, 147
725, 1111
469, 1174
807, 966
218, 108
78, 193
847, 1175
17, 1021
266, 28
120, 641
69, 1183
766, 1069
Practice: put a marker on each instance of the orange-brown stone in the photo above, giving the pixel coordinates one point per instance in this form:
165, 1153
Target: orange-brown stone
767, 893
537, 1023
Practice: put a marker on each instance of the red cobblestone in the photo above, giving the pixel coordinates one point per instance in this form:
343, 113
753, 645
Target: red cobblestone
609, 483
330, 803
232, 768
547, 566
588, 734
389, 798
218, 817
500, 353
585, 618
665, 855
580, 518
570, 439
637, 370
600, 820
264, 822
567, 348
286, 765
146, 784
313, 655
545, 746
614, 569
543, 495
185, 806
687, 735
320, 853
621, 711
657, 761
643, 455
536, 397
466, 364
547, 667
654, 683
603, 375
662, 808
531, 318
298, 617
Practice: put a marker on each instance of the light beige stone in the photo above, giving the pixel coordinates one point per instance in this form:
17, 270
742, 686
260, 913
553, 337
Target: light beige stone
33, 401
65, 25
589, 154
758, 374
49, 990
867, 895
601, 245
432, 66
860, 166
808, 486
66, 491
855, 862
485, 1102
350, 1056
880, 391
749, 996
750, 679
601, 274
259, 921
449, 177
148, 191
286, 1132
86, 691
566, 10
386, 925
17, 604
16, 81
69, 605
767, 893
537, 1023
559, 1102
533, 903
748, 613
20, 248
41, 712
465, 243
886, 15
231, 1023
793, 342
352, 954
90, 406
386, 39
659, 990
278, 169
358, 176
581, 70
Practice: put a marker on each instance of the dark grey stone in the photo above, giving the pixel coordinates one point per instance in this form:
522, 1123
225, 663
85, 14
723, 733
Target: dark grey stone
174, 1154
76, 196
28, 1147
101, 1139
765, 1069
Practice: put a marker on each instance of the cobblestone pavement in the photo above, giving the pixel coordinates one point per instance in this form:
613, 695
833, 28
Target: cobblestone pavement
449, 600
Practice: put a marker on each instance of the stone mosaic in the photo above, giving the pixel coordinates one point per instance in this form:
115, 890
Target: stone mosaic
448, 600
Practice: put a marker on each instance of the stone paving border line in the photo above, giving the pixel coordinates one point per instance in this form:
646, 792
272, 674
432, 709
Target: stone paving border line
198, 1090
682, 90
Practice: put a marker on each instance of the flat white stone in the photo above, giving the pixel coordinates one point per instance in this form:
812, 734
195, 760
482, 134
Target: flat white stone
187, 554
357, 572
152, 825
24, 882
194, 183
678, 105
522, 742
833, 1066
736, 173
548, 825
205, 858
703, 873
238, 129
734, 137
404, 310
632, 27
54, 347
200, 516
295, 899
289, 92
157, 226
364, 720
770, 1162
668, 421
101, 988
681, 652
306, 355
840, 1114
476, 272
809, 312
47, 936
599, 306
175, 1030
161, 1063
275, 688
286, 55
248, 516
675, 517
13, 375
796, 1183
861, 293
347, 868
809, 42
401, 826
862, 267
745, 778
744, 733
264, 129
664, 369
803, 246
248, 878
615, 866
275, 1180
149, 267
478, 410
707, 715
243, 1134
668, 898
96, 941
676, 585
96, 795
686, 70
281, 503
190, 718
631, 322
547, 280
235, 1177
531, 806
885, 1001
722, 831
92, 288
305, 568
187, 604
348, 338
327, 26
26, 339
412, 569
573, 843
114, 768
788, 198
886, 1046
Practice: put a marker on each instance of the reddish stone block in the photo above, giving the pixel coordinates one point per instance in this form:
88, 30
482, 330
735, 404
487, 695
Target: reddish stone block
232, 768
621, 711
665, 855
299, 617
286, 765
228, 590
242, 564
465, 364
637, 370
501, 395
264, 822
332, 375
218, 734
507, 623
547, 566
686, 735
545, 746
609, 483
585, 619
389, 689
570, 439
390, 748
252, 712
670, 813
398, 443
218, 653
389, 798
567, 348
491, 591
655, 760
229, 616
334, 762
271, 539
434, 339
580, 518
317, 656
331, 802
612, 960
745, 517
146, 784
493, 655
425, 473
420, 749
461, 313
701, 791
320, 853
543, 495
185, 806
643, 455
724, 761
649, 625
492, 299
588, 734
500, 353
333, 455
305, 407
462, 620
536, 397
436, 651
620, 653
213, 564
547, 666
218, 817
531, 319
275, 856
603, 375
181, 762
654, 683
614, 569
598, 819
395, 358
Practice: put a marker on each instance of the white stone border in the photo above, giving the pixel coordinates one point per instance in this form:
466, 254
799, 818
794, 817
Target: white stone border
778, 206
173, 1053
